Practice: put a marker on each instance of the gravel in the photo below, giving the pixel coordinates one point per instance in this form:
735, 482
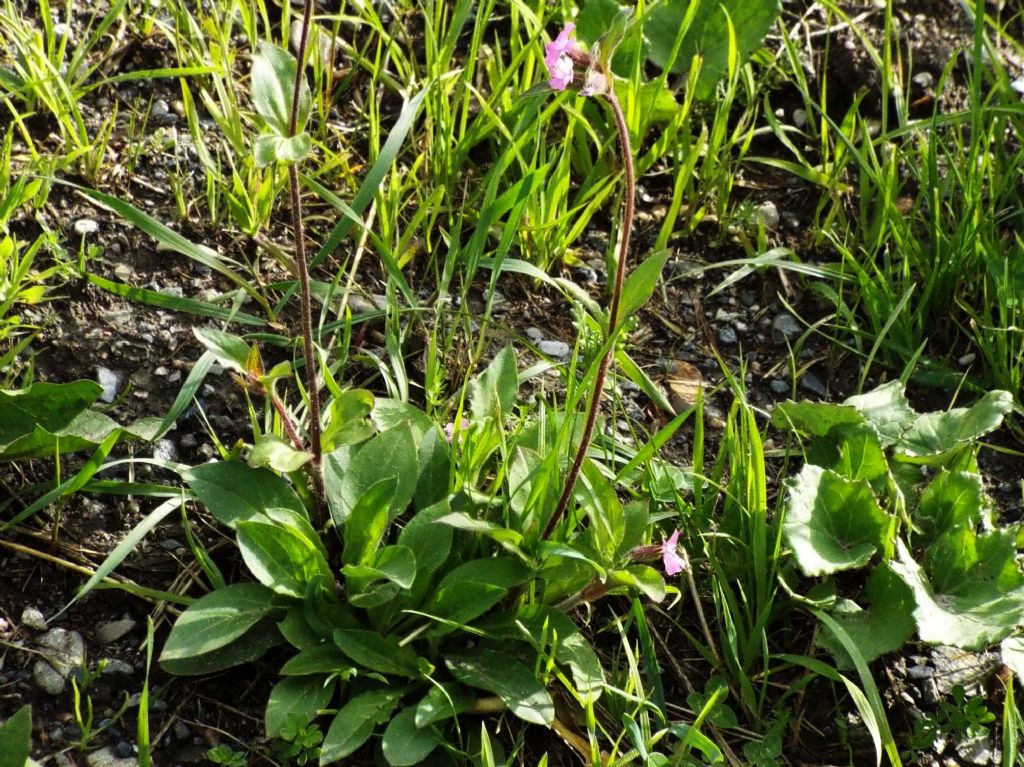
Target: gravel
113, 630
33, 618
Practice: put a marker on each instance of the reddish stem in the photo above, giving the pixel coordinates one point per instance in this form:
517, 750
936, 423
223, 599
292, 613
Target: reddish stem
613, 311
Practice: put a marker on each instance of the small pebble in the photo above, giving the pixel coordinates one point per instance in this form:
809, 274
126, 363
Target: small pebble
799, 118
110, 381
779, 386
558, 349
920, 672
171, 544
923, 79
165, 450
85, 226
188, 441
123, 749
769, 215
111, 631
534, 334
123, 272
813, 384
727, 336
33, 618
118, 667
108, 757
785, 328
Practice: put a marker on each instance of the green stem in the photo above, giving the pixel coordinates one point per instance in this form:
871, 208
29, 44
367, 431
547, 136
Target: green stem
306, 320
613, 312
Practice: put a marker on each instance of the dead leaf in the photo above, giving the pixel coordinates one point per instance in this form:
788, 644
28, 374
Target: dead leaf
683, 380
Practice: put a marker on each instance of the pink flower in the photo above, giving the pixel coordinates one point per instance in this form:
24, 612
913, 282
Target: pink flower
557, 59
449, 429
674, 564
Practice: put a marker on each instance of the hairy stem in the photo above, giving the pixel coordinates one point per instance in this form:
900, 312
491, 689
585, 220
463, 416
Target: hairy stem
626, 151
306, 320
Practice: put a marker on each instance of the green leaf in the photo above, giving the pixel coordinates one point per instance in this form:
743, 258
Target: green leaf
953, 500
16, 738
232, 491
367, 522
457, 604
978, 615
355, 722
961, 560
933, 434
612, 38
231, 351
887, 409
1012, 651
853, 451
708, 36
352, 470
429, 542
640, 284
882, 628
445, 701
247, 648
270, 450
304, 696
394, 566
45, 406
281, 558
273, 82
264, 149
375, 652
293, 149
405, 744
505, 572
460, 520
642, 578
507, 678
571, 647
322, 658
493, 393
832, 524
217, 620
813, 419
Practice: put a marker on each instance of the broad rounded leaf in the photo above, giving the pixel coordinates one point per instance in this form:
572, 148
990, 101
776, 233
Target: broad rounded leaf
933, 434
832, 524
887, 409
951, 501
979, 615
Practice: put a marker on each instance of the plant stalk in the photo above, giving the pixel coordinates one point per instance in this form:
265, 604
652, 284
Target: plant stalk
613, 312
306, 319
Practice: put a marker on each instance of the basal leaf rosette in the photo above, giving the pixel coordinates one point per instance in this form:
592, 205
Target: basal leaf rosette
978, 602
833, 523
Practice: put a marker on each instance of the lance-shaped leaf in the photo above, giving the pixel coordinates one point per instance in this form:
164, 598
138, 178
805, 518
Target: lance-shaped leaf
507, 678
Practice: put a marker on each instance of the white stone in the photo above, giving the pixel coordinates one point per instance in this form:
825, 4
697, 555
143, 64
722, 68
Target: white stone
33, 618
110, 381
